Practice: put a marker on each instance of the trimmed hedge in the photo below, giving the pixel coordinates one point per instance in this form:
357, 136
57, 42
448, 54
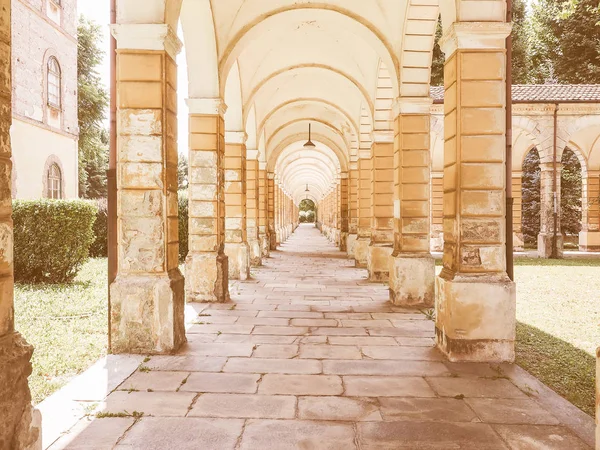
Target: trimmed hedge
183, 225
99, 248
52, 238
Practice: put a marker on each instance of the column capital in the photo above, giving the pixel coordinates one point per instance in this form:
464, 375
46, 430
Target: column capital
364, 153
475, 35
206, 106
549, 166
412, 105
135, 36
262, 165
236, 137
382, 137
270, 175
353, 165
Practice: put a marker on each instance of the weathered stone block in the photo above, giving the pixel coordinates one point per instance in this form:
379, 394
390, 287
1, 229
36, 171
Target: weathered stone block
412, 280
378, 262
207, 278
147, 313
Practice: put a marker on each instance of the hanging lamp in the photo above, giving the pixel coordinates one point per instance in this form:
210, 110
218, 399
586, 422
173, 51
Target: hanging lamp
307, 189
309, 143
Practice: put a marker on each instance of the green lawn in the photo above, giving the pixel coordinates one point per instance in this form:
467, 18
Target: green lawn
558, 313
67, 325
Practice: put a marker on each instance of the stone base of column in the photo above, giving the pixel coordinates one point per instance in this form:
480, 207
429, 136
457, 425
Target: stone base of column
255, 253
273, 241
518, 243
20, 427
378, 262
361, 252
147, 313
344, 241
239, 260
545, 245
351, 244
412, 280
265, 245
207, 278
589, 241
476, 318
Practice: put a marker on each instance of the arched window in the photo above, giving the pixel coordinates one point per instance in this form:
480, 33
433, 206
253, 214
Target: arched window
54, 182
54, 83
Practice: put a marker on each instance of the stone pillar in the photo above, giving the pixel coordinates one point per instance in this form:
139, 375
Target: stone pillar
271, 219
475, 300
206, 264
365, 197
147, 296
344, 208
382, 207
19, 422
517, 186
252, 219
437, 212
352, 209
550, 201
236, 239
589, 237
412, 268
263, 210
277, 212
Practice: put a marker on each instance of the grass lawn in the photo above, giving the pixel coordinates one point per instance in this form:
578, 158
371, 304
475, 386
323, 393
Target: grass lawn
67, 325
558, 330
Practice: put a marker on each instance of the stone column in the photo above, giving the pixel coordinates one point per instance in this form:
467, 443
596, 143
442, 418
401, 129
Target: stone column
589, 237
382, 207
437, 212
206, 264
263, 210
344, 208
517, 185
252, 207
19, 422
277, 212
412, 268
475, 298
236, 239
147, 296
365, 197
352, 209
271, 219
549, 202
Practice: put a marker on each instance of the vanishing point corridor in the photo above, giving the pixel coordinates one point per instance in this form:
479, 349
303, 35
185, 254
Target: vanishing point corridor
310, 355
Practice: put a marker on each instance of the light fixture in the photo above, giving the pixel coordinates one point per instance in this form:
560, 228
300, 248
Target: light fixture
307, 189
310, 143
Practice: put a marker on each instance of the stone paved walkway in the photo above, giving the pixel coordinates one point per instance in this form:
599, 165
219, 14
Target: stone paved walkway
309, 355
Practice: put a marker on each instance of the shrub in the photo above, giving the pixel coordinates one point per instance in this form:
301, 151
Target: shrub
99, 247
52, 238
183, 225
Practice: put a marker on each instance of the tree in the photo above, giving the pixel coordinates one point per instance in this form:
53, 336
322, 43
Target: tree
521, 64
531, 197
570, 194
92, 104
182, 172
565, 41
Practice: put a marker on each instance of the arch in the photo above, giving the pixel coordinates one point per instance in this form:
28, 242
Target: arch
268, 21
234, 117
370, 101
310, 101
300, 139
53, 171
251, 130
199, 35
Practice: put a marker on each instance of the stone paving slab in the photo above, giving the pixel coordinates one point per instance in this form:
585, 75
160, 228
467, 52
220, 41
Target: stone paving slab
310, 355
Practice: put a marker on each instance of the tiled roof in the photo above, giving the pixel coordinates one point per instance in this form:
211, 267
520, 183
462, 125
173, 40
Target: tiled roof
551, 93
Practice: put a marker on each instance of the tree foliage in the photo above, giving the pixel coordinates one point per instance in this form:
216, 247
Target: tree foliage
565, 41
182, 172
92, 104
307, 205
531, 197
571, 191
437, 64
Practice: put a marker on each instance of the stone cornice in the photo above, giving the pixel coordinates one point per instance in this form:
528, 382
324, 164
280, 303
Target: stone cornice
475, 36
236, 137
147, 37
412, 105
206, 106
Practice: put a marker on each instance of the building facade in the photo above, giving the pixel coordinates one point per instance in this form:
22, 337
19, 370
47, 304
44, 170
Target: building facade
44, 132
